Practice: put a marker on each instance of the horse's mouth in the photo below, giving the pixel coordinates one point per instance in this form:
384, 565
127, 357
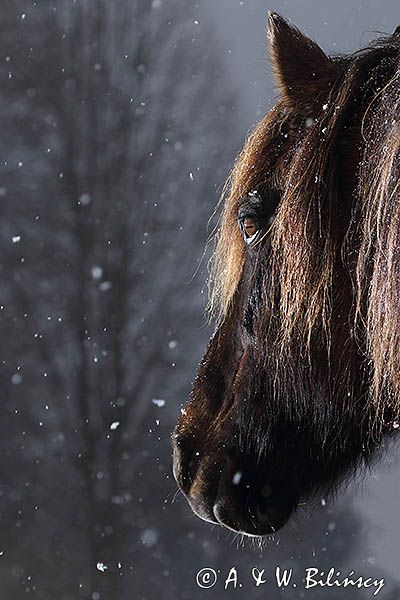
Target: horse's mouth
228, 498
253, 522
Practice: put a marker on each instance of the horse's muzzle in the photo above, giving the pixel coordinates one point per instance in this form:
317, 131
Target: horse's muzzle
229, 492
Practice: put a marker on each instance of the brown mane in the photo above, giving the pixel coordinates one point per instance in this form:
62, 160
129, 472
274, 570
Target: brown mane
303, 272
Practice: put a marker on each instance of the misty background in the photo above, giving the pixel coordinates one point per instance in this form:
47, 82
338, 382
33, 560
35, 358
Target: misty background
119, 124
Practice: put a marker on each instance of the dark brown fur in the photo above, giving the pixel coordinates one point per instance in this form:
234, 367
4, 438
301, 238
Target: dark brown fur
301, 379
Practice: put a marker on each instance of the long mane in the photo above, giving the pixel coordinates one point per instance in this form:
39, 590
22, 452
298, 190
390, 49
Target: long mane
308, 245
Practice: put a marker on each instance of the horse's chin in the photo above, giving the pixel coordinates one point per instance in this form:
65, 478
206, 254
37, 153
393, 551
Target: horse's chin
265, 521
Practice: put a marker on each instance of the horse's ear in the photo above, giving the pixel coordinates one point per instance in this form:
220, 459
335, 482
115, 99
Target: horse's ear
302, 69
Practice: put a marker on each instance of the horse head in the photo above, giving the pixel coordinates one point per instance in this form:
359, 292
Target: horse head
300, 380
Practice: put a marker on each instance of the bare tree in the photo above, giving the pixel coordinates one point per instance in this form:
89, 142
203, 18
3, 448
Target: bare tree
121, 133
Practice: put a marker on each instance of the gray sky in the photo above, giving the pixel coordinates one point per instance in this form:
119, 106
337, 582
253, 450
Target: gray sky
339, 26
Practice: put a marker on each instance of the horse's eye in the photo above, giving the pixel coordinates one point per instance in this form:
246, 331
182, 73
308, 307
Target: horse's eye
249, 227
251, 218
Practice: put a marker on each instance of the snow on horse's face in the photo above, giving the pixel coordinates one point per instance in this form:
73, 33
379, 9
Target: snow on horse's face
301, 378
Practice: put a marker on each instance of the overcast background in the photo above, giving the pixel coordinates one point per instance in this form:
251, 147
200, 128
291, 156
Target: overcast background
119, 123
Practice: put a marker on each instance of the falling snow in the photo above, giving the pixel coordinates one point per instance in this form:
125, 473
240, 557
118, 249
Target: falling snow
119, 128
158, 402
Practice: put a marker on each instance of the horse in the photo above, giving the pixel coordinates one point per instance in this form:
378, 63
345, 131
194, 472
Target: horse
299, 386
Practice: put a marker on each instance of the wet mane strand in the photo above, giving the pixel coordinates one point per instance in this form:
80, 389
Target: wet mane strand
377, 222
